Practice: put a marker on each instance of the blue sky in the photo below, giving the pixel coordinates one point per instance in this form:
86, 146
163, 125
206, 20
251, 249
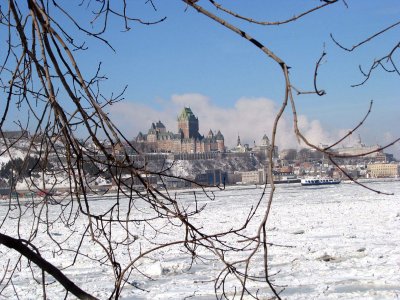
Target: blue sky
189, 60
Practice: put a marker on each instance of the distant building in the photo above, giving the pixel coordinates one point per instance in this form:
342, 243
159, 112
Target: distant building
239, 148
211, 178
187, 140
261, 149
360, 148
383, 170
253, 177
265, 146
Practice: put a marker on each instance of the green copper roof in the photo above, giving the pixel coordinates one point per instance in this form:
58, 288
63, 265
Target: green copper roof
186, 114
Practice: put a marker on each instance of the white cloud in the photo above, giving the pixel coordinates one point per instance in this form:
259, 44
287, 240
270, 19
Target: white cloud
314, 131
251, 118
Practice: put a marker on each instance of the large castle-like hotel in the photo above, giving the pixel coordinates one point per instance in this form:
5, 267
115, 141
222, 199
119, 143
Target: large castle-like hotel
187, 140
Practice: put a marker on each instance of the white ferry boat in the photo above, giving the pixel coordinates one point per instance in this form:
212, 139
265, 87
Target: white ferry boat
287, 179
319, 181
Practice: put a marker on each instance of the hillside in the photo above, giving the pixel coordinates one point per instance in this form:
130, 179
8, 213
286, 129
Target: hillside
189, 168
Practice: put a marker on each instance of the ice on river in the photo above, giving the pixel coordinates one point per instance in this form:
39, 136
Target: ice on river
332, 242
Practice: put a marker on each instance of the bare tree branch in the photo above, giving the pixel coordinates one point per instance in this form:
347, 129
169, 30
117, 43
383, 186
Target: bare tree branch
21, 247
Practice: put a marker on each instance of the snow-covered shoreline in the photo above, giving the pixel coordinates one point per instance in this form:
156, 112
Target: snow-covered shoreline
337, 242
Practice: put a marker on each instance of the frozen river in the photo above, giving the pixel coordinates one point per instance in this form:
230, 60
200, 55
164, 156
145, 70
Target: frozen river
332, 242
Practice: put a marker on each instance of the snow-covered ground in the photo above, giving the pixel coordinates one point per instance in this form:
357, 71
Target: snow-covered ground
333, 242
5, 155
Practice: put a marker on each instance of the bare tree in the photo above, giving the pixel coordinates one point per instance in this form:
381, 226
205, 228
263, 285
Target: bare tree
41, 78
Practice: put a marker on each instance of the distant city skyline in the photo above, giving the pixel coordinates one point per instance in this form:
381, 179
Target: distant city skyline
188, 60
260, 111
208, 68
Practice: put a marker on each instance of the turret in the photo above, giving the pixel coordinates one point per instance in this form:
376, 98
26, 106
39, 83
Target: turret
265, 140
220, 141
238, 141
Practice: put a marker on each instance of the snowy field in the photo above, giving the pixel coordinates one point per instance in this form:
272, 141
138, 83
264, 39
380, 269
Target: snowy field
333, 242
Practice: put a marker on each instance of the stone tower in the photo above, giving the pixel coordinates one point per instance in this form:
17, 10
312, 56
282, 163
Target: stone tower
220, 141
188, 124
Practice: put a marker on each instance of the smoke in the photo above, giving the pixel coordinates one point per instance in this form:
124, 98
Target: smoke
314, 132
388, 138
